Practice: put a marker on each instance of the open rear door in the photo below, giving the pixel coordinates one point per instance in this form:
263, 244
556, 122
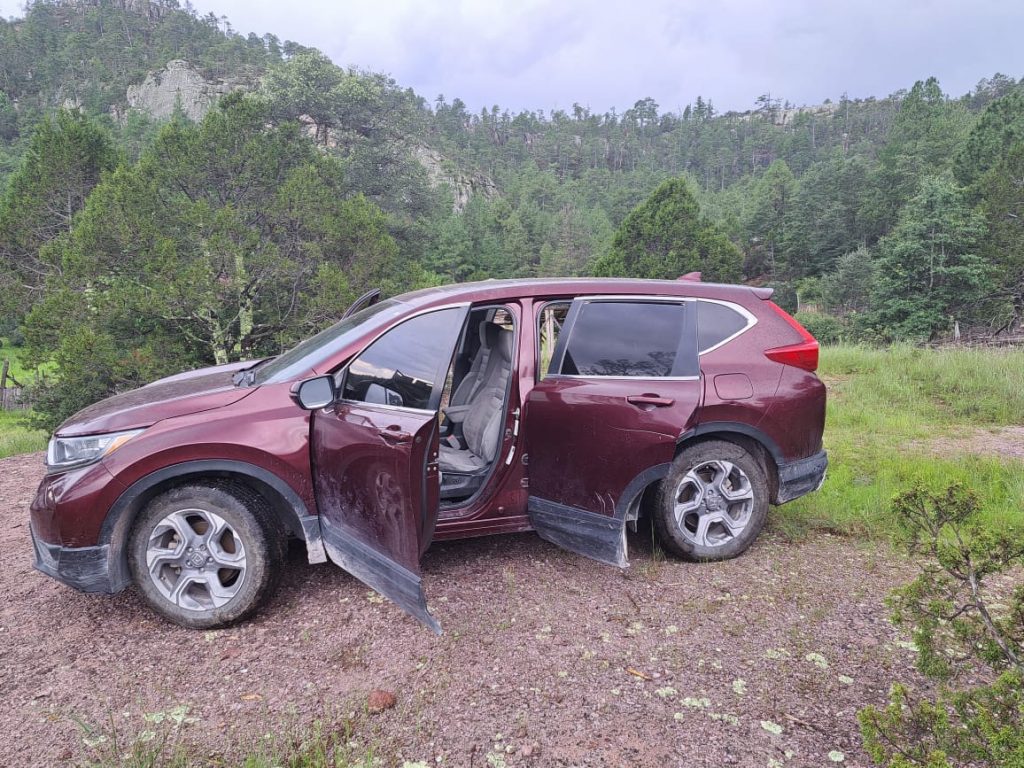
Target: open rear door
375, 455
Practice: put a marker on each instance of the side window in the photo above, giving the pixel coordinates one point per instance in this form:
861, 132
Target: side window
716, 323
549, 327
621, 338
405, 366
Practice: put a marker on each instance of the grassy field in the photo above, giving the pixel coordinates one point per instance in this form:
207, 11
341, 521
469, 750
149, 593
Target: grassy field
16, 436
895, 417
18, 368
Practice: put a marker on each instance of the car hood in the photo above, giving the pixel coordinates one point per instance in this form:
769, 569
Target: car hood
178, 395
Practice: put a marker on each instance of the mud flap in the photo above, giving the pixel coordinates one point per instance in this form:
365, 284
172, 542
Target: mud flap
595, 536
381, 574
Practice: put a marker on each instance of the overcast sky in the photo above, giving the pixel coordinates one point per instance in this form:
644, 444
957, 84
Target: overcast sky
538, 54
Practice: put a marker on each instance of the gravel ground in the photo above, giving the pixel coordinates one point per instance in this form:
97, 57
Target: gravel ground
1001, 442
547, 658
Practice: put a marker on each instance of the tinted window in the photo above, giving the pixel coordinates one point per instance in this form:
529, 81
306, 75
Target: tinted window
716, 323
404, 366
624, 339
307, 354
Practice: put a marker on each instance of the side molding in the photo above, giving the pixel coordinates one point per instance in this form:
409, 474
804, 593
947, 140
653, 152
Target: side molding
596, 536
380, 573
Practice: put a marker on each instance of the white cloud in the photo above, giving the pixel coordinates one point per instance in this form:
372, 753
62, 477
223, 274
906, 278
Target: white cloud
548, 54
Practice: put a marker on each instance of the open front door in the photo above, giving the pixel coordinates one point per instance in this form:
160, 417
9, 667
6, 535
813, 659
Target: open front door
375, 455
622, 385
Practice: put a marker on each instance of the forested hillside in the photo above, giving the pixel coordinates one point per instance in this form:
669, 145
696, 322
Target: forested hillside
136, 242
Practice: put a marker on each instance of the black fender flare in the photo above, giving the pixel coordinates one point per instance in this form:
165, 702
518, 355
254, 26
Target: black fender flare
630, 497
726, 428
737, 428
117, 523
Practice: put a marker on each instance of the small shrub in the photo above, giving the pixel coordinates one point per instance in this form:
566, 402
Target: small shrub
958, 622
825, 328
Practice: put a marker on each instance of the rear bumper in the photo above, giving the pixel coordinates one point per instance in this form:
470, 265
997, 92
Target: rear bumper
84, 568
798, 478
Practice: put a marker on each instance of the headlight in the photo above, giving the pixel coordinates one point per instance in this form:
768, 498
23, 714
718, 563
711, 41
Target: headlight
68, 452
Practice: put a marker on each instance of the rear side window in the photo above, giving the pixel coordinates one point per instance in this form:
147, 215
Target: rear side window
406, 365
621, 338
716, 323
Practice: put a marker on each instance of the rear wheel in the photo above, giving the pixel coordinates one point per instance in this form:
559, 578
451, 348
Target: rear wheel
713, 503
206, 556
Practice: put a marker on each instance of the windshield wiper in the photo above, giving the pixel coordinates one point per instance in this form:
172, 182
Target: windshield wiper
247, 376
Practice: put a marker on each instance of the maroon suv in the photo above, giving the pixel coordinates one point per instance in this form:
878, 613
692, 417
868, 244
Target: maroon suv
568, 407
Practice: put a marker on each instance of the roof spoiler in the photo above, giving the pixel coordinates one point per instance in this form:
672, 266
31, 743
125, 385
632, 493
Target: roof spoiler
763, 293
690, 277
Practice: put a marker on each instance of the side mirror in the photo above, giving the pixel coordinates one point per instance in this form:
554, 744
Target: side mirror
313, 394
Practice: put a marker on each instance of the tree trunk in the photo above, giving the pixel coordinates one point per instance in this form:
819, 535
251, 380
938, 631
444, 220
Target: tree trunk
245, 303
218, 338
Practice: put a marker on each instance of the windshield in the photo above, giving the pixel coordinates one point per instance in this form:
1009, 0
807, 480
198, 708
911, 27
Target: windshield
307, 354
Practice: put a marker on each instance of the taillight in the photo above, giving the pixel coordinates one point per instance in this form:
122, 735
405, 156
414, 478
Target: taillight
801, 355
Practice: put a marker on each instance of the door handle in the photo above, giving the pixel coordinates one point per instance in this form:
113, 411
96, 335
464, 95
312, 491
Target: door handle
650, 399
394, 434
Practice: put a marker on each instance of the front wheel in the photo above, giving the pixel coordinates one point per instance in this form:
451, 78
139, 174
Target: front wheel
205, 556
713, 503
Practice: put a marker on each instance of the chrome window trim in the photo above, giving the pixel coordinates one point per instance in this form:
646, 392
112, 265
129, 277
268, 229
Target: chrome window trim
742, 311
620, 378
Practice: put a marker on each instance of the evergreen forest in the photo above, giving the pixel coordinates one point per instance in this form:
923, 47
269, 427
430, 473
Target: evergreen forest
134, 245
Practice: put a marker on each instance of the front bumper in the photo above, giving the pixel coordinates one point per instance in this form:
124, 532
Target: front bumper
84, 568
798, 478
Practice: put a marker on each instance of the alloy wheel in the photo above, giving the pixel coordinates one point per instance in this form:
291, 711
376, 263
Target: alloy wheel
713, 503
196, 559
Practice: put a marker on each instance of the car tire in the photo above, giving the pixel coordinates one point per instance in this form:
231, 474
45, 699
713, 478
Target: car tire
713, 502
206, 556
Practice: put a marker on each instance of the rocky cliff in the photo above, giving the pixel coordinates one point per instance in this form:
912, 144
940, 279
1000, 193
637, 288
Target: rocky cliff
463, 185
178, 82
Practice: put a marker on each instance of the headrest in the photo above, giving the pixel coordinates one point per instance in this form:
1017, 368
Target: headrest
489, 335
503, 343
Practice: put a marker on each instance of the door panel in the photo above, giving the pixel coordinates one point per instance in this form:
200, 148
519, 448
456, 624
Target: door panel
375, 455
588, 441
377, 484
591, 436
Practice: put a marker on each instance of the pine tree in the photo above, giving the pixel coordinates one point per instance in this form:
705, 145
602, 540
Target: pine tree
930, 272
66, 158
666, 236
1002, 192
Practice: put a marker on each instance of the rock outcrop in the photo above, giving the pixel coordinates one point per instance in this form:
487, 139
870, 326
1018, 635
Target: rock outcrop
178, 82
463, 185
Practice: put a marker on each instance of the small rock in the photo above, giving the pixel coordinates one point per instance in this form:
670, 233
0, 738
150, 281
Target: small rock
379, 700
530, 750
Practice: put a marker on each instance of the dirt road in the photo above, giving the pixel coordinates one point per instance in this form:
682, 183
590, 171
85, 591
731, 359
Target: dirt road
547, 658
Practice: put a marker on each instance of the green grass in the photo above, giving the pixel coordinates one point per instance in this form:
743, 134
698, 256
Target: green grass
16, 436
163, 743
889, 411
19, 369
